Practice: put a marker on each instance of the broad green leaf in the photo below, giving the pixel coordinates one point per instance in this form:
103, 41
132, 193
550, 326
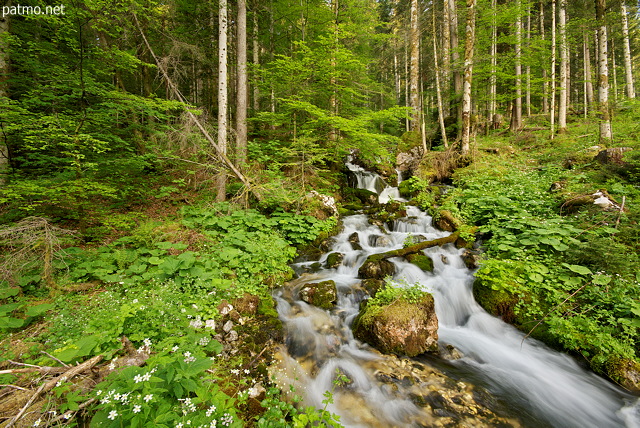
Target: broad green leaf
10, 322
601, 279
582, 270
38, 310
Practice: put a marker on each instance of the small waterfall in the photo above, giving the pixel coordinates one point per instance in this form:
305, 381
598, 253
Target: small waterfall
514, 381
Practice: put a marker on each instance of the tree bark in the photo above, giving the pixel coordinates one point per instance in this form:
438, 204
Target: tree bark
603, 74
516, 112
242, 93
545, 83
564, 62
493, 81
528, 68
4, 91
221, 181
552, 116
628, 68
455, 59
414, 68
468, 74
588, 83
443, 129
256, 59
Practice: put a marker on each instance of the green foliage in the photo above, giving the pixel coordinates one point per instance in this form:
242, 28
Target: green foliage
175, 388
567, 278
394, 291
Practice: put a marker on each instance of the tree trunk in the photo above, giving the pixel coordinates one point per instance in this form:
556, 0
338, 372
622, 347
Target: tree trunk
603, 74
516, 112
4, 90
588, 84
455, 58
564, 62
443, 129
221, 181
553, 69
256, 60
614, 70
468, 74
628, 68
528, 69
446, 52
333, 102
545, 83
493, 81
414, 68
242, 93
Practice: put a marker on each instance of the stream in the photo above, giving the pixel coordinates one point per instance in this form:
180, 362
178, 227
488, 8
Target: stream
486, 375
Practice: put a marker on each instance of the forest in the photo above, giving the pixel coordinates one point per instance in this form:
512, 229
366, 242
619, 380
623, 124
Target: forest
166, 165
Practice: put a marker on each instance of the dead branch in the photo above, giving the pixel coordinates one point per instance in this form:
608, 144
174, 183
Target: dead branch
219, 151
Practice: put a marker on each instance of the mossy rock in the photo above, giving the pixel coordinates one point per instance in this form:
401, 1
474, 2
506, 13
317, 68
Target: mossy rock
372, 286
625, 372
321, 294
444, 220
376, 269
334, 260
423, 261
500, 303
402, 327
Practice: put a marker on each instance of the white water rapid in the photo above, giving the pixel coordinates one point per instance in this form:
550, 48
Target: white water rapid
520, 380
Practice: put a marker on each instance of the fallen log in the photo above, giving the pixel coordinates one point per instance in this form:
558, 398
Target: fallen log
377, 267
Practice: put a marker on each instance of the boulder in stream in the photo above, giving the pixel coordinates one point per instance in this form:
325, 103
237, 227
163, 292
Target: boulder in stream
321, 294
376, 268
423, 261
403, 327
334, 260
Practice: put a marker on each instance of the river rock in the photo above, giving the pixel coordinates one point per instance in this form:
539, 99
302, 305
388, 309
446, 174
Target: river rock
625, 372
376, 269
354, 240
423, 261
334, 260
446, 221
321, 294
379, 241
372, 286
471, 259
402, 327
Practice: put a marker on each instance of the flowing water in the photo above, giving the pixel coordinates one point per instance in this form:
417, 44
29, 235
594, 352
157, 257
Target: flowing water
492, 377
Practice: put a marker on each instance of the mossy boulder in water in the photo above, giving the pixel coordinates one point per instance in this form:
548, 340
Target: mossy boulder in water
423, 261
376, 268
500, 303
354, 240
371, 285
334, 260
402, 327
321, 294
625, 372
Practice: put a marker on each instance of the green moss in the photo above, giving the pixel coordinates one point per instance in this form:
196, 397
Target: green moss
500, 303
423, 261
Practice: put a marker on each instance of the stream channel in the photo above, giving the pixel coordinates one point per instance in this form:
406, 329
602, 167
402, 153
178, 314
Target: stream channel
486, 375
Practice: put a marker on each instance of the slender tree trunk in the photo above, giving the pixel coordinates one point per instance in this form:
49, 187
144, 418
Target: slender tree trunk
256, 59
4, 91
242, 95
528, 69
443, 129
333, 102
455, 58
564, 61
446, 53
614, 71
553, 69
516, 112
406, 81
606, 134
588, 83
468, 74
414, 68
545, 75
628, 66
396, 74
221, 181
493, 81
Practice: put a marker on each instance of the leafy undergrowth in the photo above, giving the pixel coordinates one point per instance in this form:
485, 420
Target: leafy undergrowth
566, 275
159, 319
